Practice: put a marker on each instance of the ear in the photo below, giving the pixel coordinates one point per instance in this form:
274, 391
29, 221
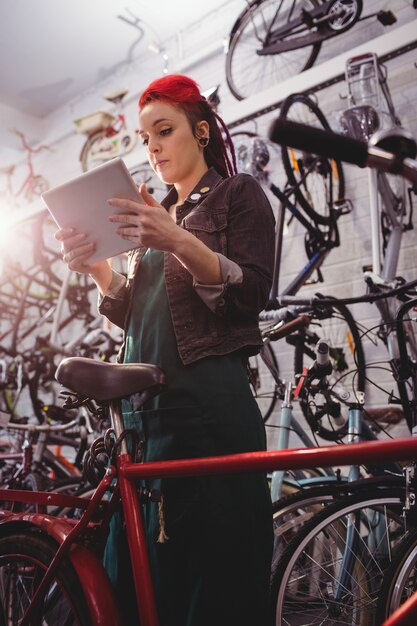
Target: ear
202, 129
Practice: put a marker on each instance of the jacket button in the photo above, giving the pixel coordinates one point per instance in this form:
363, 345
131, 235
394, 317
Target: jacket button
107, 305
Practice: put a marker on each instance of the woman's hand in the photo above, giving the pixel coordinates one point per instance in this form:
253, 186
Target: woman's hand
76, 251
146, 223
151, 225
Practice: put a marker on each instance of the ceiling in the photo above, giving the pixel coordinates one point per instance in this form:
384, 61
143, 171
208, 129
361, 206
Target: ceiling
54, 50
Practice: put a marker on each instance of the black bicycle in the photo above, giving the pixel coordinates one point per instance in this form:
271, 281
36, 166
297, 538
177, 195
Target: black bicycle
272, 40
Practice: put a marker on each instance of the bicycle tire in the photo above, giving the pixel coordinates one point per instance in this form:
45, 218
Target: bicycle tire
318, 183
400, 578
305, 582
337, 326
24, 556
145, 174
264, 378
248, 73
86, 163
294, 510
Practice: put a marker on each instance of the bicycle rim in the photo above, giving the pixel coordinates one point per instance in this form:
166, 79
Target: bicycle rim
318, 182
314, 583
337, 327
248, 73
400, 579
24, 557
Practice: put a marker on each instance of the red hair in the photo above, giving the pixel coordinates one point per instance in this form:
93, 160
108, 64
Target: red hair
184, 93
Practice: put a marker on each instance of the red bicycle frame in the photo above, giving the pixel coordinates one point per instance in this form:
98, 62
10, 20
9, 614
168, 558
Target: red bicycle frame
88, 566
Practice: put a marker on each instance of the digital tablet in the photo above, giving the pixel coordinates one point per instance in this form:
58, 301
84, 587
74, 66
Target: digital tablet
81, 203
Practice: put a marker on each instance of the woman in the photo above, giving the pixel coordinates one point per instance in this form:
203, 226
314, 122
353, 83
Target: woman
196, 281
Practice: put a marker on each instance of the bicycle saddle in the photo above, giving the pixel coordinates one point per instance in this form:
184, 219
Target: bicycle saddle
110, 381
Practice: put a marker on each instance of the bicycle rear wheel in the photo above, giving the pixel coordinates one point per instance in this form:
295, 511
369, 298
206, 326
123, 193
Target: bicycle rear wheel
24, 557
247, 72
335, 325
331, 573
318, 182
87, 159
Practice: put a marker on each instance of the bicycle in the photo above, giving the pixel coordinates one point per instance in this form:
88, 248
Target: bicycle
108, 135
270, 42
33, 184
60, 577
313, 196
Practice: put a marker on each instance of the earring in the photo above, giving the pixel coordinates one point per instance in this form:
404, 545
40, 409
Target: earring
203, 141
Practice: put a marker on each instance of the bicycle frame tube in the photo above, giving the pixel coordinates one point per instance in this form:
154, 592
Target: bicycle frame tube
96, 584
295, 27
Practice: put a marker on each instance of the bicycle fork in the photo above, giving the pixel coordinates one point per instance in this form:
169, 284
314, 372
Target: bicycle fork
355, 417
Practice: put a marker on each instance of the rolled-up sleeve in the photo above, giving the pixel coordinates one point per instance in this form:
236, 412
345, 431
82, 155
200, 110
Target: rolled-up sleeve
214, 295
114, 304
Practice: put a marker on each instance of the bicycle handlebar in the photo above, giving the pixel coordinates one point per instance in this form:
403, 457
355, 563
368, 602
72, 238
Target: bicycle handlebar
44, 427
334, 146
284, 301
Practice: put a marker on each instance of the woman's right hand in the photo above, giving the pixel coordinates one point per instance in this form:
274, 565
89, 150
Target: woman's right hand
76, 250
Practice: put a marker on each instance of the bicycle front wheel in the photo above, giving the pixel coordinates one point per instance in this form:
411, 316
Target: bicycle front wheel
318, 182
335, 325
332, 572
24, 558
257, 26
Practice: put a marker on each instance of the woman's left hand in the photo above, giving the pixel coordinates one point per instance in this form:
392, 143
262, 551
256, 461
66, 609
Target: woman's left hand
146, 223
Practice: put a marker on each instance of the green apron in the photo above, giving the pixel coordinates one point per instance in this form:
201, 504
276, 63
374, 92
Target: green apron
213, 570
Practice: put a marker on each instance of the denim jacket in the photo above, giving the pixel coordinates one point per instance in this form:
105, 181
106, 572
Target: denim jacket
233, 217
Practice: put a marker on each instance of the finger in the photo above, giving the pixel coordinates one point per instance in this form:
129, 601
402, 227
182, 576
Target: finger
79, 254
125, 204
124, 218
72, 242
129, 233
149, 199
63, 233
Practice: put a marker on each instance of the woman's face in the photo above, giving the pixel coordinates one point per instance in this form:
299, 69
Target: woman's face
173, 151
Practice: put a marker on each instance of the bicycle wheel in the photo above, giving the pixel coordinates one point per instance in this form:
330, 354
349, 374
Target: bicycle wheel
257, 26
86, 157
24, 557
297, 508
327, 412
400, 578
264, 378
318, 182
145, 174
332, 572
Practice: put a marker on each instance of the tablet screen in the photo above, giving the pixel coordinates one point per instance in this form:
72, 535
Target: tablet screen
81, 203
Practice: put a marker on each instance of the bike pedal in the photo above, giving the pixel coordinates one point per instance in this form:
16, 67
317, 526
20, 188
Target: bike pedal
343, 206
